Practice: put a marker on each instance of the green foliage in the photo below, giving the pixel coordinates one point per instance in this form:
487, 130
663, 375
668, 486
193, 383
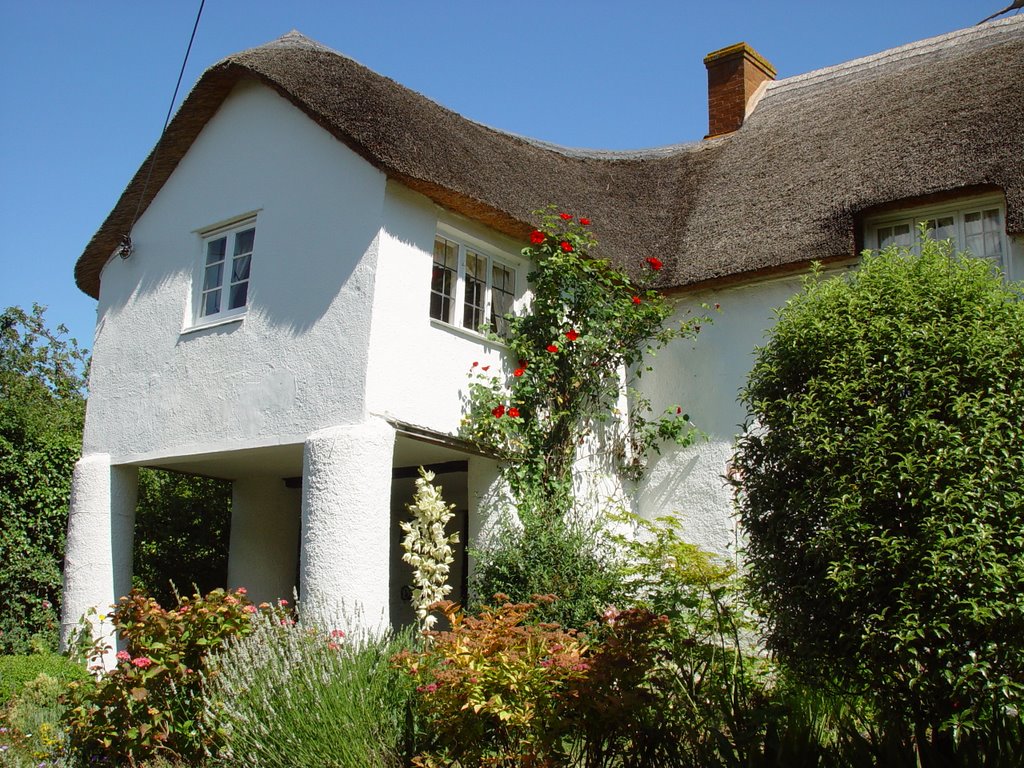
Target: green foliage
15, 671
150, 703
34, 736
560, 555
880, 486
580, 344
294, 696
182, 524
495, 690
41, 415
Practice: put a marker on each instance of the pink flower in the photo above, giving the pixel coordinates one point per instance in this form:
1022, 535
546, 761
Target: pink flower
537, 237
566, 246
282, 602
142, 662
250, 609
552, 348
513, 412
518, 372
242, 591
571, 335
498, 411
654, 262
585, 222
337, 633
564, 216
331, 645
123, 656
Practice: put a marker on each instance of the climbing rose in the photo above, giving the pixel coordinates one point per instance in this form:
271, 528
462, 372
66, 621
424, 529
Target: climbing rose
585, 222
655, 262
513, 412
571, 335
498, 412
537, 237
566, 246
552, 348
518, 372
564, 216
636, 299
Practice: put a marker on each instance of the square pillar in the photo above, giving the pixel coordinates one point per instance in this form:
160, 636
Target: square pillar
346, 522
98, 556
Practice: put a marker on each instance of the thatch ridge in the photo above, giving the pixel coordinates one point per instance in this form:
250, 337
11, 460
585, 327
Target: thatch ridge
788, 187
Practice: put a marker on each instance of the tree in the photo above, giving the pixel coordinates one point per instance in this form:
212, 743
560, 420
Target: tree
42, 408
880, 487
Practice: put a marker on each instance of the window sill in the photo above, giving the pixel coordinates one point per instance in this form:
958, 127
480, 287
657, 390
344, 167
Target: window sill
476, 336
215, 323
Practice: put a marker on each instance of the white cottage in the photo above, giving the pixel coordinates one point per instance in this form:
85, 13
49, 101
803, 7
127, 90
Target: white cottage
294, 307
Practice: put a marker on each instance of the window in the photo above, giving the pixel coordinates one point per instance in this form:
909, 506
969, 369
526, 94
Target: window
227, 258
977, 227
470, 288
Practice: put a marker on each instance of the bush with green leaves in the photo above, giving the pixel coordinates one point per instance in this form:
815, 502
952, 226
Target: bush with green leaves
42, 409
150, 703
292, 695
880, 486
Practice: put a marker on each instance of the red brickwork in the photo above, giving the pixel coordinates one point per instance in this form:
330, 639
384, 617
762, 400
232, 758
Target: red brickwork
734, 74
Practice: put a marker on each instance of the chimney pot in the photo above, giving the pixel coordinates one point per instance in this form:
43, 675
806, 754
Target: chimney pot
734, 75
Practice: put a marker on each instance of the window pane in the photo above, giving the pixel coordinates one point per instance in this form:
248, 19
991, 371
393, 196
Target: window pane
942, 228
503, 286
239, 291
442, 279
240, 268
440, 307
243, 241
215, 250
211, 303
983, 234
473, 312
896, 234
476, 266
213, 276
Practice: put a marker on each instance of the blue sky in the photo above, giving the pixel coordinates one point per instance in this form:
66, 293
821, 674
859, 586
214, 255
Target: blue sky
86, 84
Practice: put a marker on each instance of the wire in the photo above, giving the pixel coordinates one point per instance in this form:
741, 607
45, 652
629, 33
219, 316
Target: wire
126, 242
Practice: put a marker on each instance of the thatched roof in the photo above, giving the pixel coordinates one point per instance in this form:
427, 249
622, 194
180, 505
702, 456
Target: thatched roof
936, 116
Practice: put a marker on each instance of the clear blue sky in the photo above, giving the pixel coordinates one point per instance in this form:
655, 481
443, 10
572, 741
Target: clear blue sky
87, 83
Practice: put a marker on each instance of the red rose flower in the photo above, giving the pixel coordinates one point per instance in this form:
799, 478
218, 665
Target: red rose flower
571, 335
475, 364
585, 222
485, 368
513, 412
564, 216
567, 246
636, 299
537, 237
552, 348
518, 372
654, 262
679, 409
498, 412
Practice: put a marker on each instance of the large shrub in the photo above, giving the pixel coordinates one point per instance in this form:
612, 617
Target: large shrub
880, 485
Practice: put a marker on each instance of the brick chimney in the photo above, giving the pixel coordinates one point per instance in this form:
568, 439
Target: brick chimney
734, 75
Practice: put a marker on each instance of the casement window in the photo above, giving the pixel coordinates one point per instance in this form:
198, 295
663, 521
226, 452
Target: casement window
224, 279
975, 226
470, 288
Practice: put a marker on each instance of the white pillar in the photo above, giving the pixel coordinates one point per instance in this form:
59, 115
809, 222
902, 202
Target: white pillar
264, 550
346, 523
98, 556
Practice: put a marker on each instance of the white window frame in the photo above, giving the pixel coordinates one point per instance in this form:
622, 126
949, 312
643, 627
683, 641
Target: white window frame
956, 209
466, 245
227, 231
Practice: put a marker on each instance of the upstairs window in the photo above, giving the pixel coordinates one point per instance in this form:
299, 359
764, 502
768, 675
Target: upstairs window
469, 288
227, 259
977, 227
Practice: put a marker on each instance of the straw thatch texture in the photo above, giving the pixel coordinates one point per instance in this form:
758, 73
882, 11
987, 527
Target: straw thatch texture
942, 115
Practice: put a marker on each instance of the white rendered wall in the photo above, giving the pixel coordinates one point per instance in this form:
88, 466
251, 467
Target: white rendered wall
264, 551
297, 360
98, 554
346, 523
704, 376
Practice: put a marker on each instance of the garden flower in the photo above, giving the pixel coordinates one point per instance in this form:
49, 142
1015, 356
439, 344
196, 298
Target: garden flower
564, 216
585, 222
337, 633
123, 656
654, 262
498, 411
566, 246
537, 237
636, 299
486, 368
518, 372
552, 348
142, 662
571, 335
513, 412
242, 591
250, 609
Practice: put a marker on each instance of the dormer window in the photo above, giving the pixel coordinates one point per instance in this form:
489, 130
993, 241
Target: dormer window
977, 226
469, 287
224, 280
